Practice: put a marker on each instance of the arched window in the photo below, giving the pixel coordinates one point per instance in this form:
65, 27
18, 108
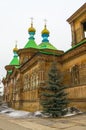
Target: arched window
75, 75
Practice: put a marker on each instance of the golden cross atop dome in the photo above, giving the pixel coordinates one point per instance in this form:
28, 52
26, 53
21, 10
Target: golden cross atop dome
31, 29
15, 49
45, 21
45, 31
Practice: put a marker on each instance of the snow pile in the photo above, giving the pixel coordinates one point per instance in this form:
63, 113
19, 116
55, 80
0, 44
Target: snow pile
3, 106
19, 114
38, 114
4, 109
24, 114
72, 111
8, 110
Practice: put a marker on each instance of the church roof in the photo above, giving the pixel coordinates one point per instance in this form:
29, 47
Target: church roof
31, 44
45, 42
79, 44
46, 45
9, 71
14, 61
50, 53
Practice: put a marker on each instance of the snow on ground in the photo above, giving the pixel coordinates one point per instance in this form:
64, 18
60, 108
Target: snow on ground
71, 114
72, 111
24, 114
19, 114
38, 114
16, 113
8, 110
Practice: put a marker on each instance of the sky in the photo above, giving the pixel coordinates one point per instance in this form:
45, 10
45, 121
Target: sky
15, 19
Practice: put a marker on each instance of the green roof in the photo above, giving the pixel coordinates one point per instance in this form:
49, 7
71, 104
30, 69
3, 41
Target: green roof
9, 72
15, 61
79, 44
46, 45
31, 44
17, 66
50, 53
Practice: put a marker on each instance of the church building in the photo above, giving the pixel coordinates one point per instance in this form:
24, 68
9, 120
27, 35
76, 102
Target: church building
29, 67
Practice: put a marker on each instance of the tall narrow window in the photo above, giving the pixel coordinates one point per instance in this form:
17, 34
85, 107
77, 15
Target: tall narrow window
75, 75
25, 82
84, 29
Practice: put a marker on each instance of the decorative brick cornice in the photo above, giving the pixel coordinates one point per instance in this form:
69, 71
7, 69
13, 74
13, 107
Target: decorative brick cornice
26, 50
38, 57
77, 99
80, 11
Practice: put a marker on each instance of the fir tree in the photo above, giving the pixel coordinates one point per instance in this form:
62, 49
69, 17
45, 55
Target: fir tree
53, 97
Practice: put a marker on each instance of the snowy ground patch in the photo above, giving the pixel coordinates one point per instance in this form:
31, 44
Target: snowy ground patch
4, 109
19, 114
72, 111
7, 110
38, 114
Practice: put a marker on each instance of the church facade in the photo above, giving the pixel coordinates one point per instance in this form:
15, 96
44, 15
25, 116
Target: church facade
28, 70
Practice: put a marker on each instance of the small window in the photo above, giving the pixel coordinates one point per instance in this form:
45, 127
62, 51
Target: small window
84, 29
75, 75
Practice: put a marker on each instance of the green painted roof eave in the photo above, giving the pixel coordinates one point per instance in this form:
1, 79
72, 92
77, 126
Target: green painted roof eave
77, 45
50, 53
9, 72
17, 66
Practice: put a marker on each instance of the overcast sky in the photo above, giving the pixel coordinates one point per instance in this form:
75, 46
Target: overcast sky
15, 20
